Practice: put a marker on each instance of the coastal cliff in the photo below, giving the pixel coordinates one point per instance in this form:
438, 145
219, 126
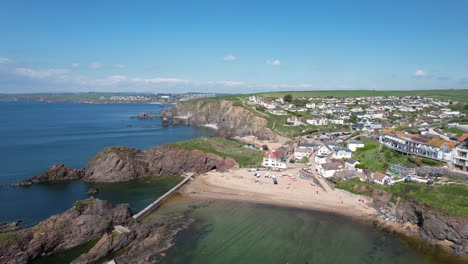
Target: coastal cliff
87, 220
230, 120
118, 164
436, 227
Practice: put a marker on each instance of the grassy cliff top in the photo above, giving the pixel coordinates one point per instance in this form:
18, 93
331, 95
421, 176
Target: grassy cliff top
457, 95
224, 148
450, 198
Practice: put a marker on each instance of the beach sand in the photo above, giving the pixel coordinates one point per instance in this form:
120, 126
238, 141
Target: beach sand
241, 185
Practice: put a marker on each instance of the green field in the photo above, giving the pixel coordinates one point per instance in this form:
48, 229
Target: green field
225, 148
456, 131
457, 95
449, 198
376, 158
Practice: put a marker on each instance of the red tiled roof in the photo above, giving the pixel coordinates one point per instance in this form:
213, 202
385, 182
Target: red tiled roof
463, 137
273, 154
379, 175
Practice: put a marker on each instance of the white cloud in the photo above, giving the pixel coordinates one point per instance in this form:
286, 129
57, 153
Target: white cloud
230, 58
75, 65
120, 66
4, 60
95, 65
225, 83
39, 74
420, 74
160, 81
273, 62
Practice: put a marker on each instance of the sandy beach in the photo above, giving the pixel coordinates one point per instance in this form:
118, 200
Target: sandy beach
241, 185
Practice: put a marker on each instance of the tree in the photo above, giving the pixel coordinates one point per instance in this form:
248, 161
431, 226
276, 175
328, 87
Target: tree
287, 98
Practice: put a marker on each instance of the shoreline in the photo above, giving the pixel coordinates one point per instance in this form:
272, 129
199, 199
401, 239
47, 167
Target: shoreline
238, 185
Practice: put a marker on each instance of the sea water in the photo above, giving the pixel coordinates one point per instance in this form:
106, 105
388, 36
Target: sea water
34, 136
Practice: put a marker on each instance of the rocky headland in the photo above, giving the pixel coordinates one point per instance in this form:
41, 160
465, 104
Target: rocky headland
230, 120
433, 226
118, 164
86, 221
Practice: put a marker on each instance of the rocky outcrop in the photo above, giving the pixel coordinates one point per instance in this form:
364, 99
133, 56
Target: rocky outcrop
11, 226
121, 164
87, 220
57, 172
435, 226
230, 120
144, 244
118, 164
144, 116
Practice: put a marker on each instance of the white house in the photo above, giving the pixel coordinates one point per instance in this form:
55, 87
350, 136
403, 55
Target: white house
380, 178
317, 121
324, 150
310, 105
355, 144
327, 170
300, 153
341, 153
336, 121
351, 164
293, 121
319, 159
273, 159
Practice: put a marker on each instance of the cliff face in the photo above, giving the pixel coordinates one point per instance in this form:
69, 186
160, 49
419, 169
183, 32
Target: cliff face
435, 226
231, 120
86, 221
121, 164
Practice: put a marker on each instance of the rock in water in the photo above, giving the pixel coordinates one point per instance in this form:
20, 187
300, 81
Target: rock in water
144, 116
93, 191
57, 172
87, 220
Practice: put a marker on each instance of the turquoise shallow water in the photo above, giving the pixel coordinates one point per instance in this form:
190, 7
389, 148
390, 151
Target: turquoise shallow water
238, 232
33, 136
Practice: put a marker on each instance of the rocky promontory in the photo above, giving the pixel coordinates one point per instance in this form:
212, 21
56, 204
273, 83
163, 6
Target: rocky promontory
87, 220
230, 120
57, 172
118, 164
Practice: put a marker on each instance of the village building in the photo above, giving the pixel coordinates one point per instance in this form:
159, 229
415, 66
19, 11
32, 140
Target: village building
345, 175
460, 156
293, 121
273, 159
324, 150
300, 153
328, 169
350, 164
341, 153
353, 145
317, 121
380, 178
420, 146
320, 159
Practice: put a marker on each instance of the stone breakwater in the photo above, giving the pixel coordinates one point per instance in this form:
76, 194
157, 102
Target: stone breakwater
119, 164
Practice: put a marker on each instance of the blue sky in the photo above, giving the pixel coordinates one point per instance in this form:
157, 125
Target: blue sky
232, 46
